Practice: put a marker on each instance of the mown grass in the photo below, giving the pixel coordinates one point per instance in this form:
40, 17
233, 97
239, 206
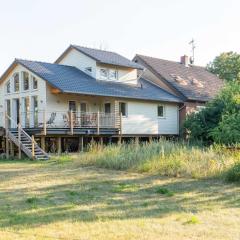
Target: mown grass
48, 200
162, 157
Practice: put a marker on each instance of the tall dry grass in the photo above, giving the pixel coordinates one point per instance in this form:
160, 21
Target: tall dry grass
162, 157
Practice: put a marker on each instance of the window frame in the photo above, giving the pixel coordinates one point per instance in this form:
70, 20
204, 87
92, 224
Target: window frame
14, 83
75, 106
8, 86
105, 108
116, 73
163, 111
23, 83
32, 80
126, 109
107, 73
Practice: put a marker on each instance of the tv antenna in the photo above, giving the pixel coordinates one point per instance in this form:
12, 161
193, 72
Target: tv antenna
192, 58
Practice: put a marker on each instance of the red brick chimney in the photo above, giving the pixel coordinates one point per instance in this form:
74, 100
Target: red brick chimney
185, 60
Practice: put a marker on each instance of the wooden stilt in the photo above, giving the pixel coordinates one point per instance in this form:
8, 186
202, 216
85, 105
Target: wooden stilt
150, 139
120, 140
101, 141
59, 145
19, 142
33, 147
43, 144
136, 140
80, 144
11, 149
7, 148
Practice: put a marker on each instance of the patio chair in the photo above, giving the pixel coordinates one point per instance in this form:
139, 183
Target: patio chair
51, 120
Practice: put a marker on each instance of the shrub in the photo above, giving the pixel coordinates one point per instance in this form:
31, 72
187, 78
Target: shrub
233, 174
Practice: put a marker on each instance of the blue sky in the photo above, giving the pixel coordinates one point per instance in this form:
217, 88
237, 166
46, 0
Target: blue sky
41, 30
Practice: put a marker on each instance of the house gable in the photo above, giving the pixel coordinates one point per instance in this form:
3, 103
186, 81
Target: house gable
97, 62
191, 83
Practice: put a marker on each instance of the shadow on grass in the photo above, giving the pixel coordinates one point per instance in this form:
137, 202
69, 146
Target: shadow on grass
109, 196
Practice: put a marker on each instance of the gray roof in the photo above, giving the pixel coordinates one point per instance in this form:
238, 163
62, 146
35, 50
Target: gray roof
197, 83
107, 57
69, 79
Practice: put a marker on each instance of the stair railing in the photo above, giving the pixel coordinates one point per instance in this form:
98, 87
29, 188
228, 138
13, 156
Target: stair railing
20, 133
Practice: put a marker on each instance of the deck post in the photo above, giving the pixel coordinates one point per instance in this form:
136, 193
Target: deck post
98, 123
136, 140
71, 121
44, 123
59, 145
80, 144
6, 135
120, 140
19, 141
7, 147
43, 143
120, 124
11, 149
101, 141
33, 147
150, 139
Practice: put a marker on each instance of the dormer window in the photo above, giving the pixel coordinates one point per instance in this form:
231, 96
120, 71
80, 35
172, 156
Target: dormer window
88, 70
103, 73
113, 74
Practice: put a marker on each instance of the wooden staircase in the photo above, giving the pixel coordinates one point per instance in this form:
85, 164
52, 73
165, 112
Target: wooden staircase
25, 143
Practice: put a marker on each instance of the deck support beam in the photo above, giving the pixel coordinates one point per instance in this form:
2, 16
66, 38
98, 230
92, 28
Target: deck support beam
136, 140
11, 149
7, 148
120, 140
59, 145
43, 143
80, 144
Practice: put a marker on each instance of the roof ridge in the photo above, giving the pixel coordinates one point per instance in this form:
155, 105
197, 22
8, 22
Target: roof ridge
92, 48
20, 59
172, 61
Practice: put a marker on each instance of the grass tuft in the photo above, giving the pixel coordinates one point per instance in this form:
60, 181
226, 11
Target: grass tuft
192, 220
164, 191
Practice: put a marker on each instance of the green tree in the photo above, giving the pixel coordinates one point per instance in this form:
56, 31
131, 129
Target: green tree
220, 120
226, 66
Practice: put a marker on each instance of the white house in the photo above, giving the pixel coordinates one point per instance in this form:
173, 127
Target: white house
85, 93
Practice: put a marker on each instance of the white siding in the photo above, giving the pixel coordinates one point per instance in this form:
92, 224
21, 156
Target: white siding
170, 123
125, 75
142, 119
40, 92
80, 61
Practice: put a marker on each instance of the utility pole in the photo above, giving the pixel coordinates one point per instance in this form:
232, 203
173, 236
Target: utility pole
193, 46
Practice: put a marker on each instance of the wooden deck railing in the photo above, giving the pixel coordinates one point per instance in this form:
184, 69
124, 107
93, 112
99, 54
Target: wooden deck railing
67, 119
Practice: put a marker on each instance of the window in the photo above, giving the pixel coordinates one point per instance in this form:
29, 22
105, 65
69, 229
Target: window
161, 111
72, 106
113, 74
34, 83
16, 82
103, 73
8, 87
107, 108
123, 108
25, 81
88, 70
83, 107
35, 110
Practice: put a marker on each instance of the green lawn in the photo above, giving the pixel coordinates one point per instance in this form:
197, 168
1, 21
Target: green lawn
49, 200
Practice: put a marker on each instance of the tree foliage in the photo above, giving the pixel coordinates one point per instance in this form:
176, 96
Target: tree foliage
220, 120
226, 66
